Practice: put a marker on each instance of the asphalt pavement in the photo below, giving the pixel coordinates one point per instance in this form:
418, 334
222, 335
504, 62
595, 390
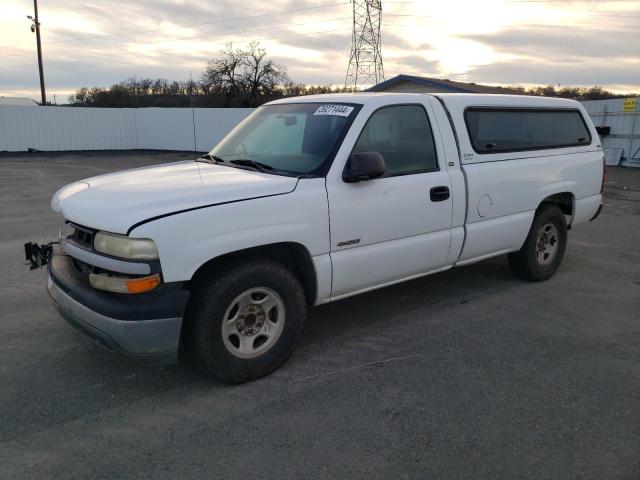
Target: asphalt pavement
471, 373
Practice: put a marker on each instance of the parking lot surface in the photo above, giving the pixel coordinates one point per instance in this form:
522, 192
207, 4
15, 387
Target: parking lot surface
471, 373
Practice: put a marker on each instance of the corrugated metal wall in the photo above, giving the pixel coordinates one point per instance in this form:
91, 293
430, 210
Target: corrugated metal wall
75, 128
622, 145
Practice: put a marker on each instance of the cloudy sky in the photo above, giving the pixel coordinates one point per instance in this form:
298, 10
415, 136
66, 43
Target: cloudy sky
501, 42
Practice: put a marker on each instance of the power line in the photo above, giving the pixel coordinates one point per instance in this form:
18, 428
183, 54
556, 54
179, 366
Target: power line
132, 43
192, 37
517, 27
343, 29
153, 42
545, 1
580, 27
580, 15
504, 1
233, 32
212, 22
281, 12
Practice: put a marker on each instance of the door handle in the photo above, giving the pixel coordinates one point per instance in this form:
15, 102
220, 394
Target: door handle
439, 194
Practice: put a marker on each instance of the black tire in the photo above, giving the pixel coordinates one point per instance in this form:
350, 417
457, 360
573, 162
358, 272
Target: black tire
212, 296
529, 263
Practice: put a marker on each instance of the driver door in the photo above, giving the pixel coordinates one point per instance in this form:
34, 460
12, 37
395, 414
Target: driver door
391, 228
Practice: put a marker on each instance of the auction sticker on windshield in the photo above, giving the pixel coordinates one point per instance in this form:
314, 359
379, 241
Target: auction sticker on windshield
340, 110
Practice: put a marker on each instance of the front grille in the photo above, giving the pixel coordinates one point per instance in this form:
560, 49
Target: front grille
83, 267
82, 236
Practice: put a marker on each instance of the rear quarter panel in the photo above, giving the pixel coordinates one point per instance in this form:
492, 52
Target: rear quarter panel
505, 189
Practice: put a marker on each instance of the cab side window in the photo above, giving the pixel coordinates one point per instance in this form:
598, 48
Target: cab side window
402, 134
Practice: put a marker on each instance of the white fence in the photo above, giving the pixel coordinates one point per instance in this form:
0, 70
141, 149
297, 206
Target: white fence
80, 128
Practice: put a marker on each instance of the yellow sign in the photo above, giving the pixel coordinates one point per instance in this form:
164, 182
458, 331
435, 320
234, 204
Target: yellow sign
629, 104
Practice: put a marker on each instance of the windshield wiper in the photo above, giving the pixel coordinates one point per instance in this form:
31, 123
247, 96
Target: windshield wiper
209, 158
261, 167
212, 159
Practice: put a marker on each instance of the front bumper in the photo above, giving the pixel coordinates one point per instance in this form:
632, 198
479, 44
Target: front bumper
145, 326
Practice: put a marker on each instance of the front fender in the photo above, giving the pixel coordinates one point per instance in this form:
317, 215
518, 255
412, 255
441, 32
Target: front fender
188, 240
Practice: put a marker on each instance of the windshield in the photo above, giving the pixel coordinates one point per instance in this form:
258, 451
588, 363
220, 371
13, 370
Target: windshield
291, 138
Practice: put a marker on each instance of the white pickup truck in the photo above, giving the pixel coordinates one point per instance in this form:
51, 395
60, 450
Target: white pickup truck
311, 200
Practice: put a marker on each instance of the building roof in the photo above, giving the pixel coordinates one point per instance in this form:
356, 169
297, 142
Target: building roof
447, 85
21, 101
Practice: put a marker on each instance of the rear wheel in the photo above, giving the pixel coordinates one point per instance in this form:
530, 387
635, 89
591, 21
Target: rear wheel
245, 323
544, 248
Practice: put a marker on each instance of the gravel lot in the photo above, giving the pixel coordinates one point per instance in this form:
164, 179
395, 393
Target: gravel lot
466, 374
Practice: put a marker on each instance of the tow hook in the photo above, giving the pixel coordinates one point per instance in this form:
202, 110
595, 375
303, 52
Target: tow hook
38, 255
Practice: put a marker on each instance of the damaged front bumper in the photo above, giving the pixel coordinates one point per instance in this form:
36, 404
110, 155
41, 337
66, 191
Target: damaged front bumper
146, 326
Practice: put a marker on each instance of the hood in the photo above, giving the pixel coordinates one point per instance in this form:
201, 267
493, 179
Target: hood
117, 201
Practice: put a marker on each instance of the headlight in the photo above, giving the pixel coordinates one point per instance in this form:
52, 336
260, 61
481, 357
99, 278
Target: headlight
125, 247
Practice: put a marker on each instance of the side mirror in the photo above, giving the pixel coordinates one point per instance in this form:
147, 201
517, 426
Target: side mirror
363, 166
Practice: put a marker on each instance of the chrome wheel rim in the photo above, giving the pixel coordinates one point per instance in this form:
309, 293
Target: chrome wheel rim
547, 244
253, 322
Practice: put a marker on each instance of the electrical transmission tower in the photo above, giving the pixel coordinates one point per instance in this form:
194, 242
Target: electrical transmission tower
365, 61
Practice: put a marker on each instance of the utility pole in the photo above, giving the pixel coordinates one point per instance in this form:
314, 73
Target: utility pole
365, 62
35, 27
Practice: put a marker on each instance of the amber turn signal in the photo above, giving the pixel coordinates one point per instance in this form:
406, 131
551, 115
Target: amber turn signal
145, 284
124, 285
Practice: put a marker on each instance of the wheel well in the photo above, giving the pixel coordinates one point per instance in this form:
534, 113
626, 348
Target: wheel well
564, 201
294, 255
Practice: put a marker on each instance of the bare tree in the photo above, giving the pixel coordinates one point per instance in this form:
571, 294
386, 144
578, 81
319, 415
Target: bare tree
245, 77
260, 74
223, 75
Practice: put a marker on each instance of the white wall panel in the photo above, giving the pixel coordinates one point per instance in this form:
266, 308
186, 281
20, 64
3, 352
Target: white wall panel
213, 124
79, 128
164, 128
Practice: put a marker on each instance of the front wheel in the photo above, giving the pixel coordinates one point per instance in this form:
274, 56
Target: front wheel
544, 248
245, 323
